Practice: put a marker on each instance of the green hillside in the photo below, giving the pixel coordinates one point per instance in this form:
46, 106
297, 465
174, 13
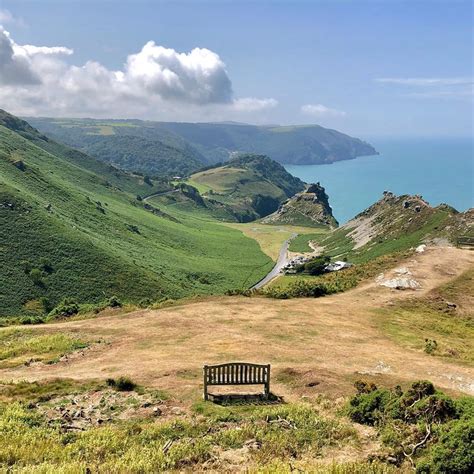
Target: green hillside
131, 145
66, 231
181, 148
248, 186
393, 224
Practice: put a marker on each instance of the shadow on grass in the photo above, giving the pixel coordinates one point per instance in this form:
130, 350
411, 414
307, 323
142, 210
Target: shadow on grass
230, 399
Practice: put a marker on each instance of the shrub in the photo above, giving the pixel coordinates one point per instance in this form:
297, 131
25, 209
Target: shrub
368, 408
122, 384
67, 307
435, 408
317, 265
32, 320
299, 289
36, 276
454, 452
434, 431
364, 387
430, 346
114, 302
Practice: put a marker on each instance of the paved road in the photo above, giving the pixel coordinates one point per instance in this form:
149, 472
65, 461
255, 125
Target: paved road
281, 262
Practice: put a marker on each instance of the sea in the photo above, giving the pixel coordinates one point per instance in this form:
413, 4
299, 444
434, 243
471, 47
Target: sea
441, 170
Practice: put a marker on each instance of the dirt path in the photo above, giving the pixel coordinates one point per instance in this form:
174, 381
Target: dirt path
161, 193
327, 342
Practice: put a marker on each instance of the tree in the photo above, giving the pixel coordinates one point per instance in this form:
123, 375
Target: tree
317, 265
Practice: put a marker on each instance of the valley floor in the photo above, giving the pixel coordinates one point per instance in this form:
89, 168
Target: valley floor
314, 345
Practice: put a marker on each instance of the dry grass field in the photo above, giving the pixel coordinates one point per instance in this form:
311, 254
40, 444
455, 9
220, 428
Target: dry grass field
69, 399
314, 345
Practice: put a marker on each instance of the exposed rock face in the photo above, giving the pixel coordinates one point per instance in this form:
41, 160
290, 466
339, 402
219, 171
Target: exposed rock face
310, 208
396, 217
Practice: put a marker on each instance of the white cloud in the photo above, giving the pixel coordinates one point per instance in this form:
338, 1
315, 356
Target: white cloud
426, 81
320, 110
156, 82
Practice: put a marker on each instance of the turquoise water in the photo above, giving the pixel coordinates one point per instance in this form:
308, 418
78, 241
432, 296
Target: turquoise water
439, 170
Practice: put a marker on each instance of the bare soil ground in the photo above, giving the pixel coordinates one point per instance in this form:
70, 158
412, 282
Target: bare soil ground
314, 345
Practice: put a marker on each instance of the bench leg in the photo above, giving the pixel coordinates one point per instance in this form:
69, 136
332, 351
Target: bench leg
267, 383
206, 395
267, 390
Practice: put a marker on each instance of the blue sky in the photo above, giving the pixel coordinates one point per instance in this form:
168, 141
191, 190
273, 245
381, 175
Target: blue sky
370, 68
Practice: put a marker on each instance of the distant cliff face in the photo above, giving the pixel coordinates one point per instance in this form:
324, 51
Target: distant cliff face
309, 208
180, 148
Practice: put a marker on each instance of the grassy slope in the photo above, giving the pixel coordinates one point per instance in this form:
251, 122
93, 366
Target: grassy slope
93, 252
248, 187
132, 145
229, 184
413, 321
301, 242
394, 229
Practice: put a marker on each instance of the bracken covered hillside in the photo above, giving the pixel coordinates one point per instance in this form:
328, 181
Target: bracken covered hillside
71, 226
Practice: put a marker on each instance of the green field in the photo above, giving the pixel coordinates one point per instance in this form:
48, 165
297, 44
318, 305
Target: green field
65, 231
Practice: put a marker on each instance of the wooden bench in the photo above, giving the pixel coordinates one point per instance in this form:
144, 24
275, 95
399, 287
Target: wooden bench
237, 373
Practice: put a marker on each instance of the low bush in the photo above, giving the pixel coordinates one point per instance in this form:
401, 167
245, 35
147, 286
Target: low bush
114, 302
122, 384
453, 453
300, 289
430, 346
428, 428
32, 320
68, 307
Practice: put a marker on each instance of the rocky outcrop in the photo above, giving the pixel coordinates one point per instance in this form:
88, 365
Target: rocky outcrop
309, 208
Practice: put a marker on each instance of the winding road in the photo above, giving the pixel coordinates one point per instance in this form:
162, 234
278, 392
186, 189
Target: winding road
281, 262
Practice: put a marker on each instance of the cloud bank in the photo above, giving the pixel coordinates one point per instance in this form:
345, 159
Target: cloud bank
320, 110
426, 81
156, 82
433, 87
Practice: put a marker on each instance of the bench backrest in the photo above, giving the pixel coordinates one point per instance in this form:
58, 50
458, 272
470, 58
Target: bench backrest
236, 373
